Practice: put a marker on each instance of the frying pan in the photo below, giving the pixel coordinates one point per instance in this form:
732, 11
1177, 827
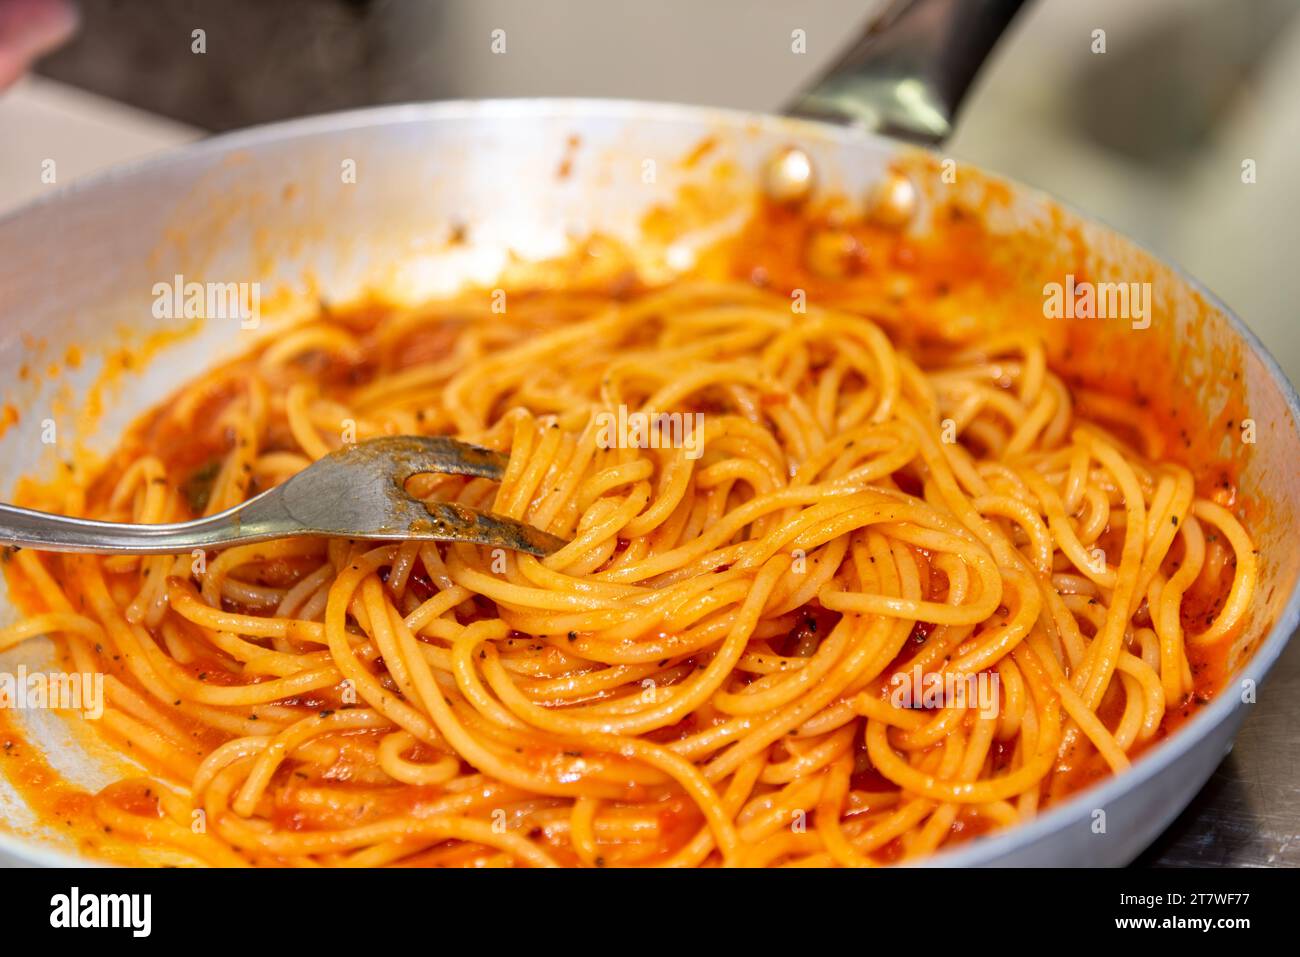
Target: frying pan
519, 180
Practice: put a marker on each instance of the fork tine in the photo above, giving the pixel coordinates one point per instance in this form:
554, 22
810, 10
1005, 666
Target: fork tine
462, 524
461, 458
402, 456
417, 454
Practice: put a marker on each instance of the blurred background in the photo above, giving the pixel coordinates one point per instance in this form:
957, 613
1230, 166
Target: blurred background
1149, 136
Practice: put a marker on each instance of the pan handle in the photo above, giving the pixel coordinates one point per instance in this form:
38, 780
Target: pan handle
907, 74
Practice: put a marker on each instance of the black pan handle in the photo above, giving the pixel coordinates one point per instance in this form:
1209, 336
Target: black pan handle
907, 75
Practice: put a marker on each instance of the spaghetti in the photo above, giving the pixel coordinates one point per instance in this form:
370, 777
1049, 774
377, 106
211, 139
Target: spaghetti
713, 671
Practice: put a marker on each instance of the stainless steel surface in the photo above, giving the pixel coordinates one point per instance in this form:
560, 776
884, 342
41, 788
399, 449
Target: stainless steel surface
358, 491
269, 204
907, 75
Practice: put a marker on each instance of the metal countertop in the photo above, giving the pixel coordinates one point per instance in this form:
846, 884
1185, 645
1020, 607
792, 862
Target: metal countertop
1248, 813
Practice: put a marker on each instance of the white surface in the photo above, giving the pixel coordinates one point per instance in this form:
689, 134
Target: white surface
82, 133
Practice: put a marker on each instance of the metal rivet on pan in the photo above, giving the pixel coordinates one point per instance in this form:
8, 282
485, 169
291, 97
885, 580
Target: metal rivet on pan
893, 200
788, 176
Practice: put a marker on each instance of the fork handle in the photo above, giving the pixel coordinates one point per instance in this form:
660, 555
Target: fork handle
58, 533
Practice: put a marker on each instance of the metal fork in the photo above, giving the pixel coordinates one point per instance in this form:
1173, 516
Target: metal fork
356, 492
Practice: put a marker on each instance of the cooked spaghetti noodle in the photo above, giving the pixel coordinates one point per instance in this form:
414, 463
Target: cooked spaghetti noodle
710, 673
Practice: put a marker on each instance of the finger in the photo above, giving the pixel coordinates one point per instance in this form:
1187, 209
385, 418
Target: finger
28, 30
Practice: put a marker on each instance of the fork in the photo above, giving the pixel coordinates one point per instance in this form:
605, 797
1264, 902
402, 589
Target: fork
358, 492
